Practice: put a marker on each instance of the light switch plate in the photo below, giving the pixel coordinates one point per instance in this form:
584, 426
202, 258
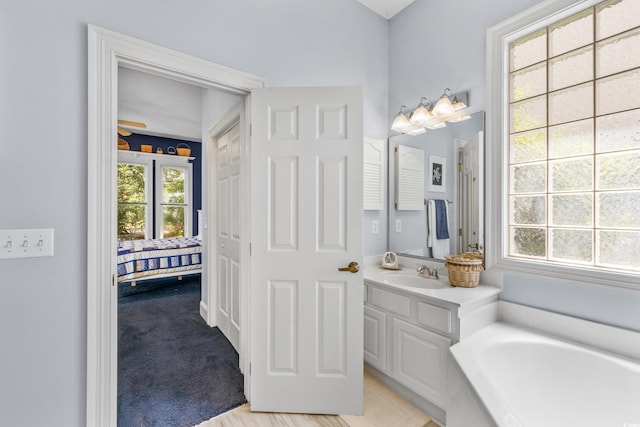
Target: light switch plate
27, 243
375, 226
398, 226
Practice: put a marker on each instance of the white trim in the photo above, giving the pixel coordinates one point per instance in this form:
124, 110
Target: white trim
204, 310
245, 246
497, 89
107, 51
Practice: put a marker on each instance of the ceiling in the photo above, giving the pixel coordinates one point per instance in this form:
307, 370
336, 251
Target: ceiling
173, 109
169, 108
386, 8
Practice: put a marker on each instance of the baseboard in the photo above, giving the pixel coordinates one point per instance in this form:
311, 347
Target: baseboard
204, 312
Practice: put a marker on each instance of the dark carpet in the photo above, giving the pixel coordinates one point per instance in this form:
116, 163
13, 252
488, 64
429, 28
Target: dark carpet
173, 369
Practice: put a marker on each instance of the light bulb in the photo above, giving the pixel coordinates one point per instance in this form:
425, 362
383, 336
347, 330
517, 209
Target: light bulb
401, 122
443, 107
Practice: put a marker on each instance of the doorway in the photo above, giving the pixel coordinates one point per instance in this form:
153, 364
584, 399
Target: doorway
107, 51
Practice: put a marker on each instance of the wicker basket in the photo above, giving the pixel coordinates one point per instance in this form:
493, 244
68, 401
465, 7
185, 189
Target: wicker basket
464, 269
183, 149
123, 144
146, 148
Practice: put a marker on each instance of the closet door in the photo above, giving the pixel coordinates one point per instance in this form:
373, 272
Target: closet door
228, 310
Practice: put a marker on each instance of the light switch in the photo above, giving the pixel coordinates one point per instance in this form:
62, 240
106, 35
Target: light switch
375, 226
26, 243
398, 225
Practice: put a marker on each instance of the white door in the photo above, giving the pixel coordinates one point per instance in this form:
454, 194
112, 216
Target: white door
471, 203
306, 315
228, 259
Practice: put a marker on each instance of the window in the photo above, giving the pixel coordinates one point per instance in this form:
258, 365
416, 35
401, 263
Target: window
134, 219
574, 152
145, 213
173, 201
569, 96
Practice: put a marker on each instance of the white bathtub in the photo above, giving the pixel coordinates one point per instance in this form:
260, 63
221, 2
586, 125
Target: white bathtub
523, 378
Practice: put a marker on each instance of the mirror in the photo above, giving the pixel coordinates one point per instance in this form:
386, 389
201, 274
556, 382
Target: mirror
453, 172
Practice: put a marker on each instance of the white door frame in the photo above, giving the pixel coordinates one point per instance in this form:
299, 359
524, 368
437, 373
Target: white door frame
107, 50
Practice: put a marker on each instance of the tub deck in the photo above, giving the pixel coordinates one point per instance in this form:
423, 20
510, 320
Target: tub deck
530, 378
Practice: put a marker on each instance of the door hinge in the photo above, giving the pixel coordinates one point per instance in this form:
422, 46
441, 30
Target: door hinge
460, 232
460, 167
249, 249
113, 280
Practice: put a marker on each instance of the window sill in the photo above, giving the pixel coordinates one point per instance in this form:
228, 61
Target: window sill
586, 275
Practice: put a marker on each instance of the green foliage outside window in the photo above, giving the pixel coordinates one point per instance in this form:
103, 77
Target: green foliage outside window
131, 202
173, 201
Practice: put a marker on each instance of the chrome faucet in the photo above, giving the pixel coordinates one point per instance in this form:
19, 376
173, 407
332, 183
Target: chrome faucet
428, 273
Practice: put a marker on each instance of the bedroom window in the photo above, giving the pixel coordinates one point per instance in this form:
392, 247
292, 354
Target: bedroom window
133, 201
154, 196
574, 139
174, 201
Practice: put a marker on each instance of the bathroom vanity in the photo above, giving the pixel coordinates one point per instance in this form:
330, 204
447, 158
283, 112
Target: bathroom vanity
411, 321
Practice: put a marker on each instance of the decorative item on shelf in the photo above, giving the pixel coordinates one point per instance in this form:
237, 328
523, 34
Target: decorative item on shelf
449, 108
464, 269
159, 151
123, 144
183, 149
171, 150
390, 261
146, 148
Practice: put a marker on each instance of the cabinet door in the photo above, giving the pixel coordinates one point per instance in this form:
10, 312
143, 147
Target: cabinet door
375, 338
420, 361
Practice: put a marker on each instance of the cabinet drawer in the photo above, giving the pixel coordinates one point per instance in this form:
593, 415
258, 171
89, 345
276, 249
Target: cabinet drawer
434, 317
395, 303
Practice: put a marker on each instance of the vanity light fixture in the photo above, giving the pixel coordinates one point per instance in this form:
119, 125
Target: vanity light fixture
460, 119
444, 106
401, 122
437, 125
449, 108
421, 116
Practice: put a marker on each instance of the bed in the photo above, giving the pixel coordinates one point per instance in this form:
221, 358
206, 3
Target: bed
158, 258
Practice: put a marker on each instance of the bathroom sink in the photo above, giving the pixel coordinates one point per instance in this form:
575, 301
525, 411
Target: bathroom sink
411, 280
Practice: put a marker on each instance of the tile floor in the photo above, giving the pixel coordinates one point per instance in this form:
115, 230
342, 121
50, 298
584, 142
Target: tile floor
382, 408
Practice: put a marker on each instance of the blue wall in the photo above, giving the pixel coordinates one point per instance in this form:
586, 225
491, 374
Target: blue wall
135, 141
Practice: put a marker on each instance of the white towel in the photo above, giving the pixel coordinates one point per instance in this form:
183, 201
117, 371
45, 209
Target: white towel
439, 247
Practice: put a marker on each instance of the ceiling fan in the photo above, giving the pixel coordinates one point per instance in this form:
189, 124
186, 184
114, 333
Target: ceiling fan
124, 132
122, 143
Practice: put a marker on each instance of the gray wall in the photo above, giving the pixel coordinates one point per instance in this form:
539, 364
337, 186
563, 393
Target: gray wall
449, 51
43, 150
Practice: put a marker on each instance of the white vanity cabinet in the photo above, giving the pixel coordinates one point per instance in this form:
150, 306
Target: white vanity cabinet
420, 360
407, 334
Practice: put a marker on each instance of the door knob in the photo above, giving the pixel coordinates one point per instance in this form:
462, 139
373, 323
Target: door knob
353, 267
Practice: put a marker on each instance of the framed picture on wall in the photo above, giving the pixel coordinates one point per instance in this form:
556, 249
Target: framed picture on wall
437, 170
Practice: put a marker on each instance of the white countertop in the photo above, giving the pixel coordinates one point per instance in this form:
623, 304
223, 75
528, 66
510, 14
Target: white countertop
463, 298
